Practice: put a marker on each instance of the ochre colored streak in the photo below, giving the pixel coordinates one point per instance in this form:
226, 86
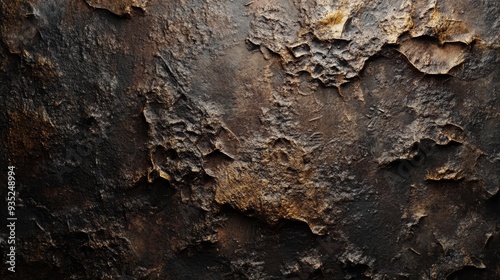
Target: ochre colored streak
332, 19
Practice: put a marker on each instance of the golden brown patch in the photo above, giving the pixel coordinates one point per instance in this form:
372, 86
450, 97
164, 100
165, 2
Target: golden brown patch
17, 29
450, 30
30, 133
444, 173
332, 19
272, 195
41, 67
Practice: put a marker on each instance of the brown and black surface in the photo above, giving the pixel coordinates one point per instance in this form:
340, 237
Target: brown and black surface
190, 139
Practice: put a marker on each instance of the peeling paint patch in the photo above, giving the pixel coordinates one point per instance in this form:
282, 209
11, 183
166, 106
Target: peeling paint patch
274, 196
333, 40
430, 57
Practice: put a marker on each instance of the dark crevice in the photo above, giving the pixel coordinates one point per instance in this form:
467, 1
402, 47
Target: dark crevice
467, 273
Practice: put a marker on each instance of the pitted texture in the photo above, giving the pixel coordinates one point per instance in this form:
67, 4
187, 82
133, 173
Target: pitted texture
203, 139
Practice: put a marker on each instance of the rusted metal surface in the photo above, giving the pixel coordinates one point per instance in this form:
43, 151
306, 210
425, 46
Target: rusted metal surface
253, 139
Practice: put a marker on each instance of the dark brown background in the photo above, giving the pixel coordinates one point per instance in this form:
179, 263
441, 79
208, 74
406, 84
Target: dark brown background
252, 139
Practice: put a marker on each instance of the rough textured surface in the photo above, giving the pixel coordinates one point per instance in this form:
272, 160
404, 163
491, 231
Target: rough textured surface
300, 139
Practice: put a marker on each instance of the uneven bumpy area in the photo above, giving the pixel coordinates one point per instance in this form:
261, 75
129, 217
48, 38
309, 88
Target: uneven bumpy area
265, 139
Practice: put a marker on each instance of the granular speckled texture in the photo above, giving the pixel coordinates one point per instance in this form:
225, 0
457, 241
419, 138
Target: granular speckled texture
304, 139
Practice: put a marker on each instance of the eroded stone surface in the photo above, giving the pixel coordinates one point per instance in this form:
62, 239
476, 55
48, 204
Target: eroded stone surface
332, 41
253, 139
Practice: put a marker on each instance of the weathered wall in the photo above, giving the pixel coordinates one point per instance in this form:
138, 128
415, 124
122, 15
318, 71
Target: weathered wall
260, 139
